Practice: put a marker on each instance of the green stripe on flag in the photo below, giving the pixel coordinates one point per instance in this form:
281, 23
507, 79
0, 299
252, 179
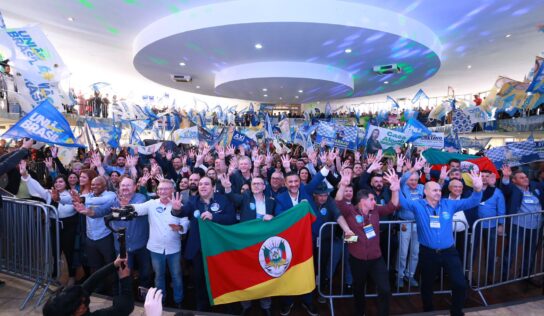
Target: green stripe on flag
222, 238
437, 157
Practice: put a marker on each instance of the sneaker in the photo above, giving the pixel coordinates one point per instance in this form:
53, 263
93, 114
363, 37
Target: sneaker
400, 282
312, 311
286, 309
413, 282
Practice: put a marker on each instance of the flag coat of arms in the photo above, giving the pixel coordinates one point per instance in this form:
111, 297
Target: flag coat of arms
257, 259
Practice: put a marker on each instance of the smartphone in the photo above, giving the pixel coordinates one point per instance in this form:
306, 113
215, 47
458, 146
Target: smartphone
142, 291
351, 239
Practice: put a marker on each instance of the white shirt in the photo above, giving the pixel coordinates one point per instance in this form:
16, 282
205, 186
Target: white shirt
294, 200
260, 207
458, 217
162, 239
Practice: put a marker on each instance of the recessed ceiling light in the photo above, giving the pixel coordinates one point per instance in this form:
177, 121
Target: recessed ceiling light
348, 50
281, 98
386, 82
198, 87
296, 96
71, 19
265, 95
265, 89
508, 35
182, 64
300, 91
258, 46
469, 66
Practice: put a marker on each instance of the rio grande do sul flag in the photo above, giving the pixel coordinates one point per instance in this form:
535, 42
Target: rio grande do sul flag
257, 258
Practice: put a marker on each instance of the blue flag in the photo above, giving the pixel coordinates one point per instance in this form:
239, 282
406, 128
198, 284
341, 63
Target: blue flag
44, 124
240, 139
328, 110
415, 129
420, 94
409, 114
269, 130
394, 104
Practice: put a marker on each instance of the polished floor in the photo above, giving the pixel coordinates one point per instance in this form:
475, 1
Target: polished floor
523, 299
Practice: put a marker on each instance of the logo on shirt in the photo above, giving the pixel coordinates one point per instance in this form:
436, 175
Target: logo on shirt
446, 215
275, 256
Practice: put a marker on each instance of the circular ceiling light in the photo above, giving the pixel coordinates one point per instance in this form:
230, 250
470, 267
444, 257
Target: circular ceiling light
265, 89
71, 19
386, 82
258, 46
198, 87
182, 64
508, 35
348, 50
469, 66
265, 95
300, 91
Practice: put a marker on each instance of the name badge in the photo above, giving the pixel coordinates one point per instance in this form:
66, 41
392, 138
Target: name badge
528, 201
323, 211
435, 222
369, 231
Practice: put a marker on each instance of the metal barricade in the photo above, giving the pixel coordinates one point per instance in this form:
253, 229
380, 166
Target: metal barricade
25, 243
505, 255
332, 288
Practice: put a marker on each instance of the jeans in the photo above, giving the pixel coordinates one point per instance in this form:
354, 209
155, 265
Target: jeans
142, 259
489, 238
377, 270
430, 262
408, 239
159, 261
528, 238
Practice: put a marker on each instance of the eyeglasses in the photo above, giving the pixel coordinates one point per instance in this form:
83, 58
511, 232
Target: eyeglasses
163, 189
257, 183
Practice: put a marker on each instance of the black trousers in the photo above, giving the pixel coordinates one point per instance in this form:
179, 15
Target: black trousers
67, 236
430, 263
361, 269
202, 299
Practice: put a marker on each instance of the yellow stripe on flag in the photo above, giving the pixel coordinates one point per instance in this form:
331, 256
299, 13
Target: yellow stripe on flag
299, 279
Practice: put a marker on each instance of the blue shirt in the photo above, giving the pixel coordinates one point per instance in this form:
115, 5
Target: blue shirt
137, 231
437, 238
410, 194
529, 204
494, 206
96, 227
110, 169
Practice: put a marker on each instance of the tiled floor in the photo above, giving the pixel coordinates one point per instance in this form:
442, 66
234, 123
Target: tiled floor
13, 293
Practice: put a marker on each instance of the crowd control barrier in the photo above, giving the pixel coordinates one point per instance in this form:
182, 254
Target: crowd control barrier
26, 244
333, 266
505, 249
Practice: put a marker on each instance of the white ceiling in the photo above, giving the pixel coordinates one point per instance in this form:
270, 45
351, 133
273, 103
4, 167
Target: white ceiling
109, 34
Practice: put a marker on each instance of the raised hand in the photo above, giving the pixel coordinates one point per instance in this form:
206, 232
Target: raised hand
477, 183
375, 165
225, 181
49, 163
393, 180
346, 177
22, 168
400, 161
220, 152
345, 165
191, 153
506, 171
95, 159
444, 172
286, 162
176, 201
419, 163
370, 158
169, 155
313, 157
323, 157
55, 196
27, 143
230, 150
159, 177
427, 168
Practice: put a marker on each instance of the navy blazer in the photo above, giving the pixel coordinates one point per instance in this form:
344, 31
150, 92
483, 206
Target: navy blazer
514, 196
244, 201
283, 200
225, 215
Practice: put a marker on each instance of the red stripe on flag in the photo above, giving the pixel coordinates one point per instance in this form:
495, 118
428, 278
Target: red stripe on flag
240, 269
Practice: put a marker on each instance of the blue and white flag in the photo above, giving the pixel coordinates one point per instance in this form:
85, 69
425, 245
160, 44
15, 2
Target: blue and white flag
239, 138
328, 110
409, 114
104, 132
335, 135
394, 104
474, 143
99, 86
513, 154
461, 122
186, 136
414, 129
44, 124
420, 94
268, 126
537, 84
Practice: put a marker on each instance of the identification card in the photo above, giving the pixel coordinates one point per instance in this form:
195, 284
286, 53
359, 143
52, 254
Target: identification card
528, 201
435, 222
369, 231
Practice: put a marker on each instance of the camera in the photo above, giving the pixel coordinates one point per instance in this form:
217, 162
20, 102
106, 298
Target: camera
125, 213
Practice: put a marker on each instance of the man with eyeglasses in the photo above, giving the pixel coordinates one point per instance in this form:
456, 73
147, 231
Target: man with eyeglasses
276, 184
164, 241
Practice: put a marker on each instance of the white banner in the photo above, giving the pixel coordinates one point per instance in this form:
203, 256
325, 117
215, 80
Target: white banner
186, 136
435, 140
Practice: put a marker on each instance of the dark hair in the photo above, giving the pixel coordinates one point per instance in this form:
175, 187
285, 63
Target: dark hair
486, 171
63, 177
362, 195
455, 170
118, 174
309, 173
374, 175
212, 180
292, 173
454, 160
515, 173
66, 302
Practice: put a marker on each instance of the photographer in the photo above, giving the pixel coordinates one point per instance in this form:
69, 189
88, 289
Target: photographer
74, 300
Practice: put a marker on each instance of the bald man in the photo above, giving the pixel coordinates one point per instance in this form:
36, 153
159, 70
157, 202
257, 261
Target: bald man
434, 217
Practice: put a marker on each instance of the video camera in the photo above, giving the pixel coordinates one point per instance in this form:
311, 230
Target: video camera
125, 213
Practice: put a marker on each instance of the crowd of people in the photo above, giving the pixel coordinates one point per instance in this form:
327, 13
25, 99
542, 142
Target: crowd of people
172, 188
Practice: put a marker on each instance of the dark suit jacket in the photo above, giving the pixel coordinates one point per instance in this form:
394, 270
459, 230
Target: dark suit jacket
244, 201
514, 196
283, 200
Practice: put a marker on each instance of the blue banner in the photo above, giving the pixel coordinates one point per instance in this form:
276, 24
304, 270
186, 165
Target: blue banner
240, 139
415, 129
334, 135
44, 124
